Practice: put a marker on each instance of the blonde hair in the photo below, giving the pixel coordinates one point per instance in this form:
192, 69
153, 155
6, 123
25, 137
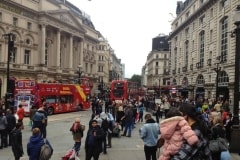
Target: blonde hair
35, 131
77, 119
217, 120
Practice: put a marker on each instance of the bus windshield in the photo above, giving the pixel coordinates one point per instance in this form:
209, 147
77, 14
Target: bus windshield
118, 86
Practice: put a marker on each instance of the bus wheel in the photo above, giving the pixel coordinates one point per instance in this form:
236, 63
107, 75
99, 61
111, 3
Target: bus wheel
50, 111
79, 107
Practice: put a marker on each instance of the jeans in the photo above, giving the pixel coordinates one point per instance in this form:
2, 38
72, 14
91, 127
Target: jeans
77, 146
150, 152
128, 127
3, 135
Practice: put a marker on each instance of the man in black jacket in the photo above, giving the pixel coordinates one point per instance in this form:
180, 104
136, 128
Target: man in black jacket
16, 136
93, 143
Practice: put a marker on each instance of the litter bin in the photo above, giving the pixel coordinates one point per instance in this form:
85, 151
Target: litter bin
234, 146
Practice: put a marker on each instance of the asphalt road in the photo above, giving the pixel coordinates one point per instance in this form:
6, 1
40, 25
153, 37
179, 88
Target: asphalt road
123, 148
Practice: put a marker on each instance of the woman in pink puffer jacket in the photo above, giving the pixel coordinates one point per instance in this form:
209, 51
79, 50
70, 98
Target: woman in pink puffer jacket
174, 130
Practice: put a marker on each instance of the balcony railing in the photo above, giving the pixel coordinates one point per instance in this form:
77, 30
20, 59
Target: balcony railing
209, 62
199, 65
174, 71
191, 67
184, 69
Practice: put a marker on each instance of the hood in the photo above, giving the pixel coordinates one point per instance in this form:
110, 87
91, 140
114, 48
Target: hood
103, 115
168, 126
35, 139
150, 120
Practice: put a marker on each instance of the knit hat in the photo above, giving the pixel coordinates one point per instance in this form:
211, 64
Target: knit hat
94, 120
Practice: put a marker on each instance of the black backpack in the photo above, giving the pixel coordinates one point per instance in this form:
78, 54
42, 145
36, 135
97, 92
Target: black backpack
104, 125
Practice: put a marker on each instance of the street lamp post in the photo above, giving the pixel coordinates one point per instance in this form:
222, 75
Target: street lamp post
235, 134
11, 38
159, 80
217, 70
237, 63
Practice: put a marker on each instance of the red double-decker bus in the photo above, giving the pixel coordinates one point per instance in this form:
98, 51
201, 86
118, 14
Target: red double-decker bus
59, 97
124, 89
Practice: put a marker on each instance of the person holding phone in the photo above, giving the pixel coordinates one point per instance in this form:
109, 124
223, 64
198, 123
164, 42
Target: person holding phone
93, 143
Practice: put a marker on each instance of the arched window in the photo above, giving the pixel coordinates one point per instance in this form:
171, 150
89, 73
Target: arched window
223, 79
200, 80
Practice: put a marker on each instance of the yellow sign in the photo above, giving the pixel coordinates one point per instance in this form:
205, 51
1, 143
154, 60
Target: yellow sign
66, 88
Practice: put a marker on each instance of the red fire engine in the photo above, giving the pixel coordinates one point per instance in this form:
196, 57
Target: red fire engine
59, 97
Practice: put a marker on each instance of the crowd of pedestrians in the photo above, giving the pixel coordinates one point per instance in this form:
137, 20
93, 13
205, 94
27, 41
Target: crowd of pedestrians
11, 126
186, 128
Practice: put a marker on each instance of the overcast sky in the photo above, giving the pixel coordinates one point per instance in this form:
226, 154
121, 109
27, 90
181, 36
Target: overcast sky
130, 25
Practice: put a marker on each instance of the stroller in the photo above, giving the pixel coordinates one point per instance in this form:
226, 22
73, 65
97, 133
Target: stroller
116, 130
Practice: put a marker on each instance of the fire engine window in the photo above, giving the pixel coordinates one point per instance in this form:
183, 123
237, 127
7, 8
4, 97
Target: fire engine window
66, 99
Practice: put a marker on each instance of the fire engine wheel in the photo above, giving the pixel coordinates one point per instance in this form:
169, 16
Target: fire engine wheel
50, 111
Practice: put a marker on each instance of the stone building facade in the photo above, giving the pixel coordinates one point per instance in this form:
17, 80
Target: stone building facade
202, 46
157, 65
53, 38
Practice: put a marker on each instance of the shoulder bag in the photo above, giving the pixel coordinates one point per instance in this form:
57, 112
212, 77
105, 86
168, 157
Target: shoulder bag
218, 145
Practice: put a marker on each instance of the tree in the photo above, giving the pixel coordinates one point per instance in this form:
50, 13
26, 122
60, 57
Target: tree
136, 78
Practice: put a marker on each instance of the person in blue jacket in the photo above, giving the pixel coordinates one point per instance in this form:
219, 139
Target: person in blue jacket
149, 134
35, 143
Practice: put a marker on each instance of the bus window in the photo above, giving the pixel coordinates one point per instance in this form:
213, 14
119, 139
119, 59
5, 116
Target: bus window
66, 99
51, 99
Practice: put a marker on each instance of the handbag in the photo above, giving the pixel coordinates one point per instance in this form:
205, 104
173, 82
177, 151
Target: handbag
218, 145
160, 142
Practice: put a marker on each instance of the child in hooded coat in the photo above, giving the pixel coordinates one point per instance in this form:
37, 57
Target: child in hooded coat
174, 130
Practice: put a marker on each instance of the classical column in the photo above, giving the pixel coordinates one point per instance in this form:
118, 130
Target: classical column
71, 52
42, 59
58, 48
81, 53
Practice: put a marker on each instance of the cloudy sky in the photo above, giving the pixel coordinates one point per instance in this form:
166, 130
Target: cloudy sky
130, 25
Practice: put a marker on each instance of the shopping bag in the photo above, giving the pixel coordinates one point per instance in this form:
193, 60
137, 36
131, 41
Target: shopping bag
68, 154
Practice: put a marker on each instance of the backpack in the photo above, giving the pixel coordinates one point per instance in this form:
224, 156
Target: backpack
46, 152
104, 125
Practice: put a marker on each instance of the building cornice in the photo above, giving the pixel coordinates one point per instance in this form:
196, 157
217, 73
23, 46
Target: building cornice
191, 18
